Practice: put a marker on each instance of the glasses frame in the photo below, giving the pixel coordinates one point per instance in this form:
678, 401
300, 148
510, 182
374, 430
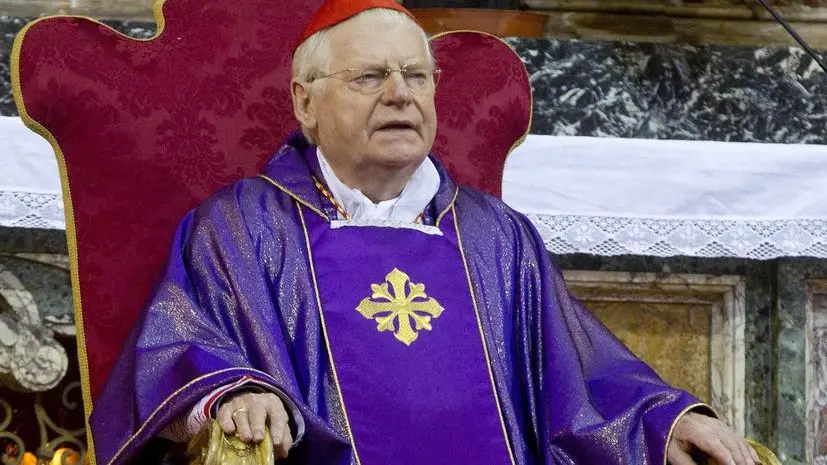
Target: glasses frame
388, 70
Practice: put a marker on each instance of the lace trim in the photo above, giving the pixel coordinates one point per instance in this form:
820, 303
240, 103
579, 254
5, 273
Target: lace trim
598, 235
31, 210
758, 239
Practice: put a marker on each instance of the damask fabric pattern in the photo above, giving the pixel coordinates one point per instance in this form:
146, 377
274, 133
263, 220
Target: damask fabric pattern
148, 129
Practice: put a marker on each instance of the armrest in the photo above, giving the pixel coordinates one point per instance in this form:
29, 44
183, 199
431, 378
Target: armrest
212, 447
767, 456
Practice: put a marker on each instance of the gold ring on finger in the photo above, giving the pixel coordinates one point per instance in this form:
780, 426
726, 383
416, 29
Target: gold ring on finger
238, 410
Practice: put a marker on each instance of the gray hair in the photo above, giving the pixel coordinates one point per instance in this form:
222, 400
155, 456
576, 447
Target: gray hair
314, 55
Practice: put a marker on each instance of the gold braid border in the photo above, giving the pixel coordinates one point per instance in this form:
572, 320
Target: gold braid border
488, 361
324, 333
71, 232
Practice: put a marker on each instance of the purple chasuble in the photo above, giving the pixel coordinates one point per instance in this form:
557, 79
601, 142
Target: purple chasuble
406, 345
490, 360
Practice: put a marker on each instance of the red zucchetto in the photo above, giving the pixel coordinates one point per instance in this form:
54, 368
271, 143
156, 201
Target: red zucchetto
334, 12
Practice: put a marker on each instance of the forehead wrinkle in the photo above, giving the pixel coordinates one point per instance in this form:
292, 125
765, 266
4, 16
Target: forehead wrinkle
363, 50
359, 46
362, 60
383, 64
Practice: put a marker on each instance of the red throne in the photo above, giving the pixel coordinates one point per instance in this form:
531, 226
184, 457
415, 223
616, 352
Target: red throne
144, 130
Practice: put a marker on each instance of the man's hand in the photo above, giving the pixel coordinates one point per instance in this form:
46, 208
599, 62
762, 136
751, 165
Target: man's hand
248, 413
713, 438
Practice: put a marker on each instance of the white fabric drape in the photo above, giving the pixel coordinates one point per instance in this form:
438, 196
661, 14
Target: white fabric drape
611, 196
29, 182
601, 196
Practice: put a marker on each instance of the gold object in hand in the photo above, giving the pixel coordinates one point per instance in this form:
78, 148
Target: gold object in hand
212, 447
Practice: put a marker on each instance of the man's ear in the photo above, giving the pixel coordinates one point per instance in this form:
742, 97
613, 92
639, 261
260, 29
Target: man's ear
303, 109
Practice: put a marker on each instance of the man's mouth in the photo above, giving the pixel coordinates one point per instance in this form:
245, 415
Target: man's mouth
396, 126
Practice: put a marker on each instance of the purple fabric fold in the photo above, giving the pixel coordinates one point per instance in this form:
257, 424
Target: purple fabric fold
237, 298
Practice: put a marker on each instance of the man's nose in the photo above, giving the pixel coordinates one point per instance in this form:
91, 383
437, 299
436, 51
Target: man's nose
396, 91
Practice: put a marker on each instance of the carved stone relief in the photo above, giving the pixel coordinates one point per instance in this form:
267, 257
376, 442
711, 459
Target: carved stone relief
30, 358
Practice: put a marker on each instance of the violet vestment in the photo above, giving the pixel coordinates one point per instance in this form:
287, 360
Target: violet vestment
451, 342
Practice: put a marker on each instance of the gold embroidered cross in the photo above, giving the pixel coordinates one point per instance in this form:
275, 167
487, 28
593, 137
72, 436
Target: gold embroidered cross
403, 306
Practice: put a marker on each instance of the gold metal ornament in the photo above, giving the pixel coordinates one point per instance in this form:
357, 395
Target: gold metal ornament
766, 456
211, 446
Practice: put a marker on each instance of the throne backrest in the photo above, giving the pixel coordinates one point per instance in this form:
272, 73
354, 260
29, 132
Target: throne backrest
145, 130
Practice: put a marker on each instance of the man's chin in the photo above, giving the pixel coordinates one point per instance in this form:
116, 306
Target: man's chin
400, 157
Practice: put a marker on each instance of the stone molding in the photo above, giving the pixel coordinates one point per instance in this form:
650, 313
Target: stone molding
724, 296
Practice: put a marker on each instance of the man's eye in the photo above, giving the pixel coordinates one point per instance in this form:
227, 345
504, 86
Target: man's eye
368, 77
416, 79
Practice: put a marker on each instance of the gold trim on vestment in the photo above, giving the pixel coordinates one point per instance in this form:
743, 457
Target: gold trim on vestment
530, 90
482, 337
324, 331
71, 232
448, 208
294, 196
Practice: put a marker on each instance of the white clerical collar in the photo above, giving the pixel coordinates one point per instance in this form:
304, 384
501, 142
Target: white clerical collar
406, 208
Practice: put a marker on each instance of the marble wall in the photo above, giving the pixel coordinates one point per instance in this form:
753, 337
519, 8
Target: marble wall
817, 367
796, 292
8, 29
677, 92
673, 91
770, 95
759, 280
689, 328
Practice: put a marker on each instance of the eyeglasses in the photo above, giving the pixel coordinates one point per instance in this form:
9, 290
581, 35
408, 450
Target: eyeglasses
373, 79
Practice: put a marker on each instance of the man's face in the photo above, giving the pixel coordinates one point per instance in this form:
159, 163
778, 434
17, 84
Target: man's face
392, 126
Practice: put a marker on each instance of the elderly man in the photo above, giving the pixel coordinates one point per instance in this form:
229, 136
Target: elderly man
368, 310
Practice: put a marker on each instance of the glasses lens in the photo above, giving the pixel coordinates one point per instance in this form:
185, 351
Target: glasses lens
373, 80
